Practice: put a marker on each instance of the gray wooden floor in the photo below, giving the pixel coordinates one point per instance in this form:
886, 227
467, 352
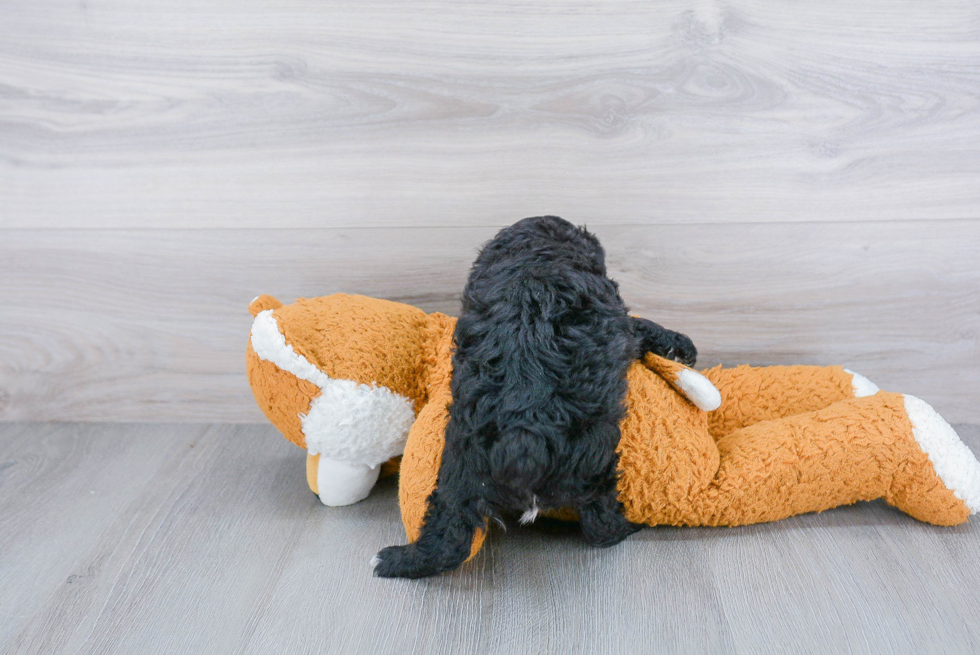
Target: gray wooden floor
140, 538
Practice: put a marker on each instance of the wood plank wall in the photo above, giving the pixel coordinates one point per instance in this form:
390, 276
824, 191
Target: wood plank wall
785, 181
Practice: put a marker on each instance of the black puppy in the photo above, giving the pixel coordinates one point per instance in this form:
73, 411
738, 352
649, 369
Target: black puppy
539, 379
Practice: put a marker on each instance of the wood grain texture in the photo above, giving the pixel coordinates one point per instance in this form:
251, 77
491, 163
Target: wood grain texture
152, 324
62, 487
378, 113
206, 539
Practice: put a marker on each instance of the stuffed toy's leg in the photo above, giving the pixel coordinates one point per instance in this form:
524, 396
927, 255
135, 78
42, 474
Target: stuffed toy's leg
887, 445
339, 483
751, 394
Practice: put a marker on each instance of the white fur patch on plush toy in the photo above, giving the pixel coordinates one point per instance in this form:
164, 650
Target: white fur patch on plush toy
350, 422
862, 385
357, 423
699, 390
951, 458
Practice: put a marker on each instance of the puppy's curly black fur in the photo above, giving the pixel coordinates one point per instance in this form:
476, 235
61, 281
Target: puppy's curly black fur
539, 378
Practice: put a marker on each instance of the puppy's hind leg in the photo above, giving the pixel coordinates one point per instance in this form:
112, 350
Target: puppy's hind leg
656, 339
453, 516
601, 515
603, 523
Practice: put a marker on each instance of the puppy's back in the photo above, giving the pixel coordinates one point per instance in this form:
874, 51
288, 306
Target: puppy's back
543, 343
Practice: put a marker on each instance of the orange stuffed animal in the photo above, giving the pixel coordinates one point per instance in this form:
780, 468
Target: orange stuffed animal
357, 381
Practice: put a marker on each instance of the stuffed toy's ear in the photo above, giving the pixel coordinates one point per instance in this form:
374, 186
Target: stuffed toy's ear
262, 303
686, 381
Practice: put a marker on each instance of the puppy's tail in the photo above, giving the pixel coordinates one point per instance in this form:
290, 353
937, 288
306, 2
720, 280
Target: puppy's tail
518, 461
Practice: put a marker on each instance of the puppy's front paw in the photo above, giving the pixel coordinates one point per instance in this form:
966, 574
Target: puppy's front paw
683, 350
401, 562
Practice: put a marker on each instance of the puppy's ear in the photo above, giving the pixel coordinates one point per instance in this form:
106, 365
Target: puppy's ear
686, 381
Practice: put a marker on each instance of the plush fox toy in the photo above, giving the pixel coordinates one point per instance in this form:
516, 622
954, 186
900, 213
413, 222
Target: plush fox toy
358, 381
